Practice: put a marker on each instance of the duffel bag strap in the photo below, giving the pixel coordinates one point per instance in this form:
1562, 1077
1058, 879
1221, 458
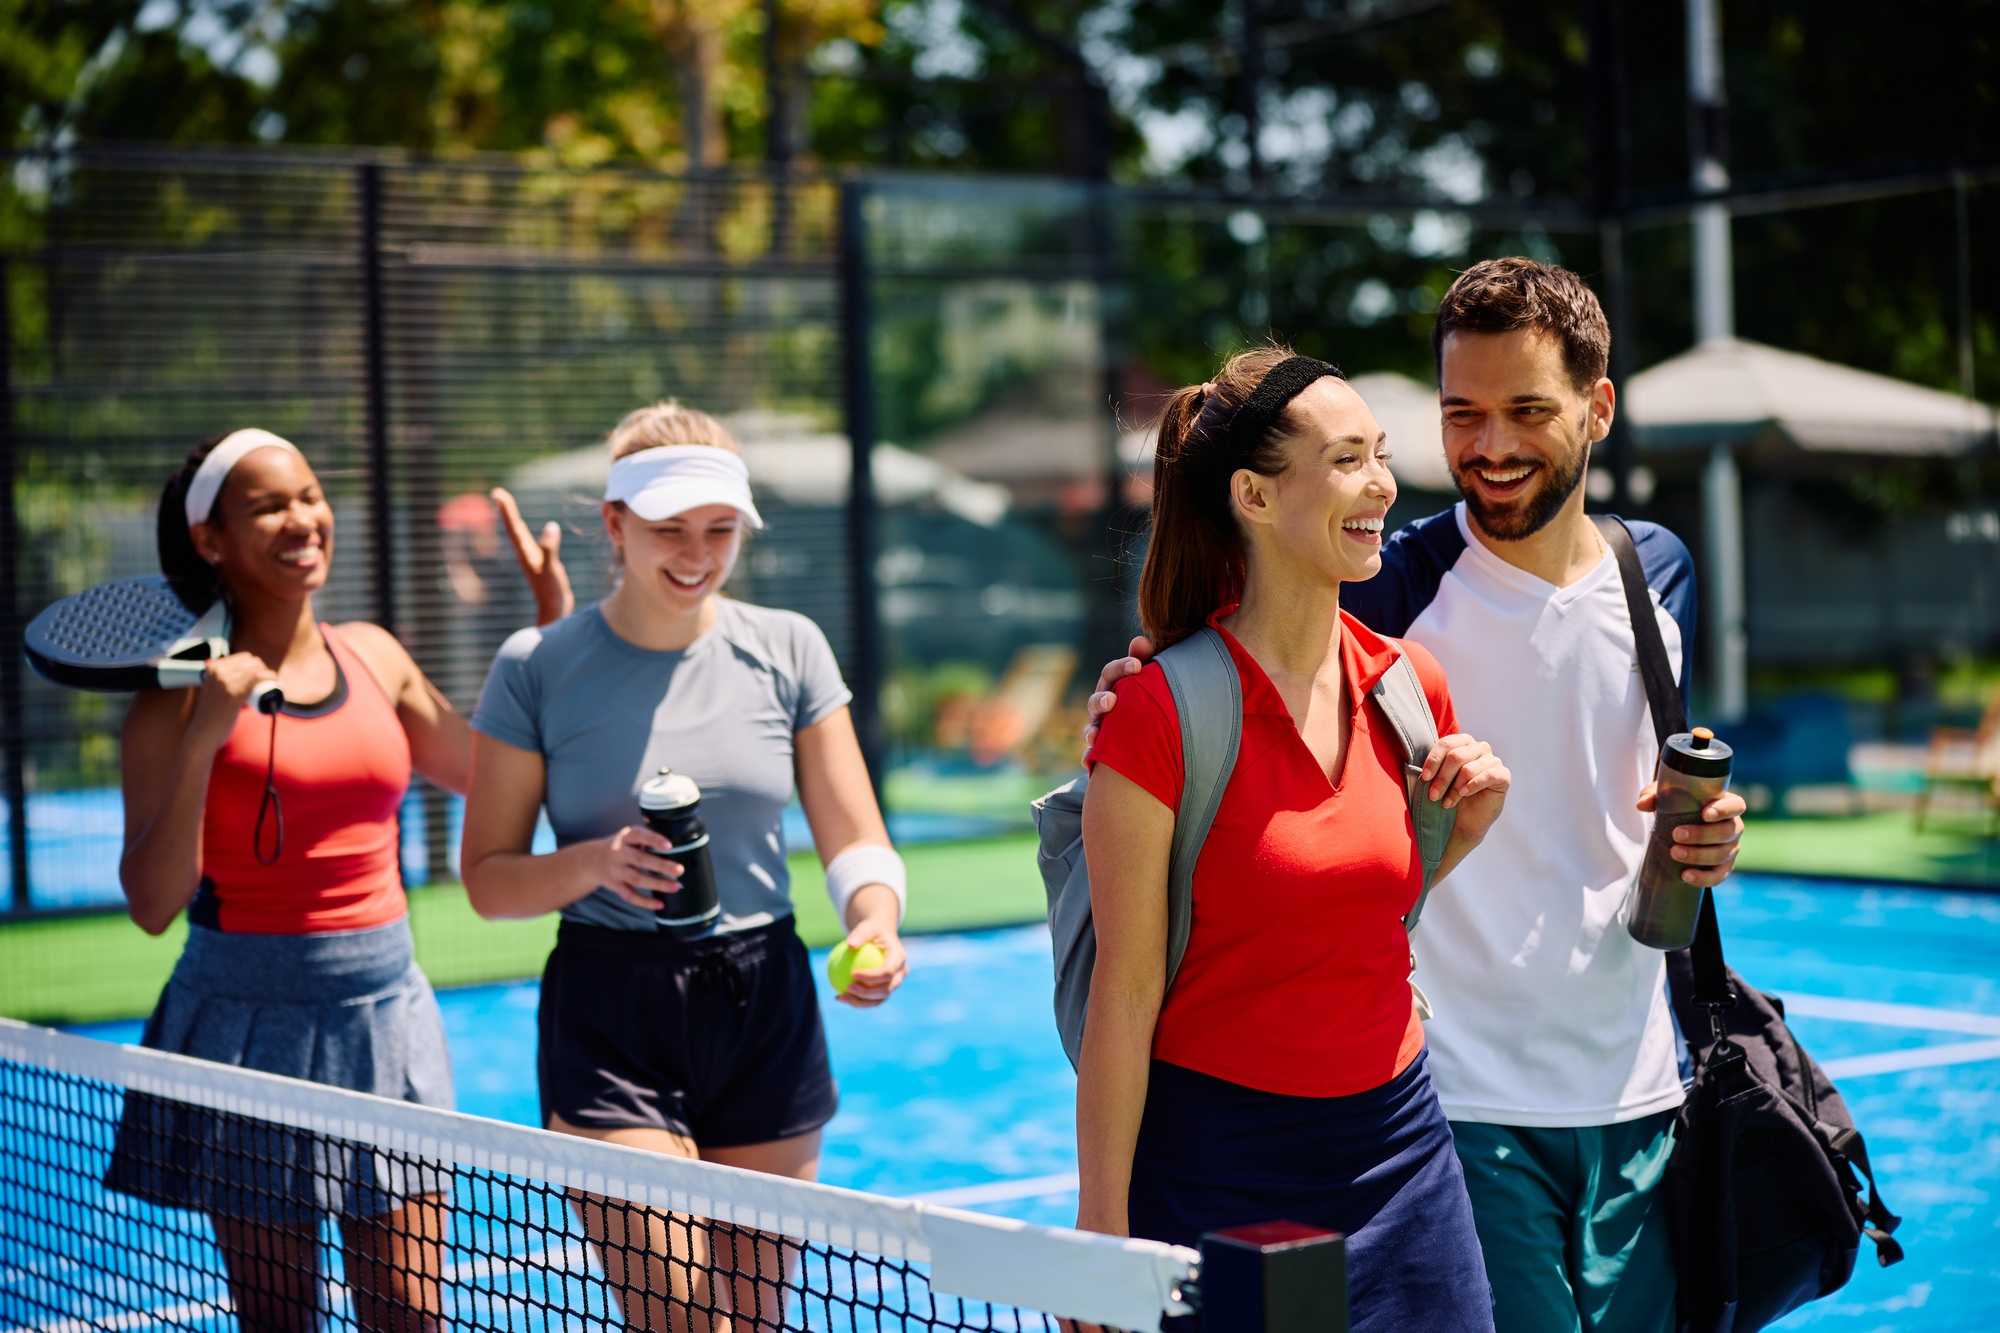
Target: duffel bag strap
1877, 1222
1712, 990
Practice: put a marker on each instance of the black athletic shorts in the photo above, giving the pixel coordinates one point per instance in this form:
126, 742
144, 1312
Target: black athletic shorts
719, 1039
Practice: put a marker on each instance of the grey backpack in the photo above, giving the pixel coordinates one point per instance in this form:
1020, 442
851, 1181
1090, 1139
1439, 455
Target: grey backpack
1209, 698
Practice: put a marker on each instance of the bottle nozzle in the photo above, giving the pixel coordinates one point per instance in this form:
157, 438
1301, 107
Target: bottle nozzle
1702, 736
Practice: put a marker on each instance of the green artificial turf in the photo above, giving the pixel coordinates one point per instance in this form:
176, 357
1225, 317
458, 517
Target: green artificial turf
92, 968
1885, 845
84, 969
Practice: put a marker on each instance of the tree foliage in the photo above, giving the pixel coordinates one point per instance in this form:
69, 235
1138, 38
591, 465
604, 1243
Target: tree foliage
1455, 100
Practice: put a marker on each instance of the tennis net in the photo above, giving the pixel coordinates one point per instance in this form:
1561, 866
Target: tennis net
143, 1190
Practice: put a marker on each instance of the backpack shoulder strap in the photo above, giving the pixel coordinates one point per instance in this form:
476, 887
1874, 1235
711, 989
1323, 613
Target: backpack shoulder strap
1208, 696
1401, 696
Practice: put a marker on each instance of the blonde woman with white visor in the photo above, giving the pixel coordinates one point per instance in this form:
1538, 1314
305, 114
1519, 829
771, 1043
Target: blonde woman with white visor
707, 1047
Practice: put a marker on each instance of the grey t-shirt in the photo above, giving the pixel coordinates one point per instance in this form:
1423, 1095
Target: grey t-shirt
606, 715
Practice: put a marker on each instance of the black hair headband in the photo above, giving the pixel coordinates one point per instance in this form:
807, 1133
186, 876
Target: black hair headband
1285, 381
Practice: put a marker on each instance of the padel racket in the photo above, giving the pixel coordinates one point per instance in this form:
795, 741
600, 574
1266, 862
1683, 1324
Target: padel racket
132, 634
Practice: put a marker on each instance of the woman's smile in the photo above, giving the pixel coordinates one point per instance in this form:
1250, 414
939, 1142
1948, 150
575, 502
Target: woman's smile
306, 555
1365, 528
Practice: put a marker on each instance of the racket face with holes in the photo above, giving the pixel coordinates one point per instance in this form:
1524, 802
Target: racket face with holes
117, 636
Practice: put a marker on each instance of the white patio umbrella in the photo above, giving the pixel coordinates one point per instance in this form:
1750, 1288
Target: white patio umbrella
1727, 393
1731, 391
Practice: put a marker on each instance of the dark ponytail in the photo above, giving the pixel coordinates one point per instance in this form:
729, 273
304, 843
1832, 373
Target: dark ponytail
193, 579
1195, 561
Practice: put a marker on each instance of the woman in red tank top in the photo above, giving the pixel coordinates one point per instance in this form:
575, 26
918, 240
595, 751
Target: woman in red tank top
278, 836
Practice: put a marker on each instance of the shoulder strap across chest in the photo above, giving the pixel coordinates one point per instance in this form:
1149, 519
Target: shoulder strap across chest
1400, 696
1208, 697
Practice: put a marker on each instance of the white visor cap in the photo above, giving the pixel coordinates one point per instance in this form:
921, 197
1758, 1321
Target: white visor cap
659, 483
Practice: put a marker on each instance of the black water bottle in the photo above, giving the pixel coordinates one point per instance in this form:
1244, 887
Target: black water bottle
671, 806
1694, 770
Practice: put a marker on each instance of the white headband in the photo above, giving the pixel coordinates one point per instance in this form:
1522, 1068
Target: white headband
658, 483
214, 469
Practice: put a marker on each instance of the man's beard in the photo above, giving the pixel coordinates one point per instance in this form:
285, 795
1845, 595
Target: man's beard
1529, 513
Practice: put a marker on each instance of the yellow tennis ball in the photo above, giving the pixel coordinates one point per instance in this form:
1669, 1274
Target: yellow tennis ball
843, 963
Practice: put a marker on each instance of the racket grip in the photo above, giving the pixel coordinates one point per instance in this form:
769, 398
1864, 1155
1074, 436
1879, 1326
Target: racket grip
266, 697
175, 675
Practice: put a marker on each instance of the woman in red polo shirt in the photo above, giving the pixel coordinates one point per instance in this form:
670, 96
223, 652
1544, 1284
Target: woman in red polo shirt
1283, 1076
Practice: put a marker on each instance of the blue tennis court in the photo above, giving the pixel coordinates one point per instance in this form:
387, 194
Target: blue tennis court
958, 1091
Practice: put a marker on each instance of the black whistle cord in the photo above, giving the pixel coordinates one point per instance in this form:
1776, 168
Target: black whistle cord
271, 804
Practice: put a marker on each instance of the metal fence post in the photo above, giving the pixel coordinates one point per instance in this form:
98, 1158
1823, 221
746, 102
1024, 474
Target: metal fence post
376, 361
1113, 602
1610, 152
13, 713
858, 373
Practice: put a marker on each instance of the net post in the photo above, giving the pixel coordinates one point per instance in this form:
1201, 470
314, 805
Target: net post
1274, 1277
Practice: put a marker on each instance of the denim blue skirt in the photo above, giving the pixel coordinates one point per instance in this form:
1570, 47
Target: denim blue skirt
1377, 1166
348, 1008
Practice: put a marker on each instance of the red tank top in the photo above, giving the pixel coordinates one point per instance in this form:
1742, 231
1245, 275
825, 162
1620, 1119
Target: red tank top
343, 767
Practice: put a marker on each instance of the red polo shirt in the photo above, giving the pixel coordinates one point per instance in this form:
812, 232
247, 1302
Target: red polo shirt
1296, 977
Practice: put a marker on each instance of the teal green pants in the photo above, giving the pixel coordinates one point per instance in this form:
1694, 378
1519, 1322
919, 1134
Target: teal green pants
1572, 1224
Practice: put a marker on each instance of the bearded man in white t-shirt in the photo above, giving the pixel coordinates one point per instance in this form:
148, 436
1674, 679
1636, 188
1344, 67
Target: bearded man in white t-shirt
1553, 1048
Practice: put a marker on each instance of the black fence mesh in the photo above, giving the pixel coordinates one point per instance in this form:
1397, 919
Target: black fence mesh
428, 330
423, 333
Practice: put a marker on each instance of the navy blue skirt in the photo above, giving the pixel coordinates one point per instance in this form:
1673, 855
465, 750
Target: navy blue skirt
348, 1008
1378, 1167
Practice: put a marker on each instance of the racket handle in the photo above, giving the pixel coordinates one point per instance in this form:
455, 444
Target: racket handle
266, 697
181, 675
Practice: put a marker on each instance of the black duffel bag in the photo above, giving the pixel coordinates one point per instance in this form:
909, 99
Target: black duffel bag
1762, 1193
1764, 1188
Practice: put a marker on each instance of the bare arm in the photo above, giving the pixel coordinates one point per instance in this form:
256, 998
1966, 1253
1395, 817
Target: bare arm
440, 737
166, 753
540, 559
504, 879
839, 801
1127, 836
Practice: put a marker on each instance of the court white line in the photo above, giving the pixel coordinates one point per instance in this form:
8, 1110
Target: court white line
1002, 1191
1892, 1015
1921, 1057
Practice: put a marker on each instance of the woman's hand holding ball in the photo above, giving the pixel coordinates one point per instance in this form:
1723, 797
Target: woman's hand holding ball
869, 964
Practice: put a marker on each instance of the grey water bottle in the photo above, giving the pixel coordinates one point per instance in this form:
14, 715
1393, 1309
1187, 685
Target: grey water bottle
671, 805
1694, 770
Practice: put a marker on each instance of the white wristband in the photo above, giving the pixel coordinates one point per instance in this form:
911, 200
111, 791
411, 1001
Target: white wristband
858, 867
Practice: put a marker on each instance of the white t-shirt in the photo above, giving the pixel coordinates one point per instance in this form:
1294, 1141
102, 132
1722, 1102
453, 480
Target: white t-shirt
1548, 1013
